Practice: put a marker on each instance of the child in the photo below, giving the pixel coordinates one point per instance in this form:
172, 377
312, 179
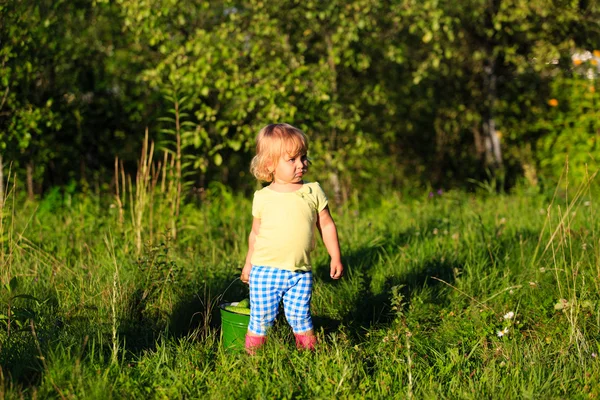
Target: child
285, 213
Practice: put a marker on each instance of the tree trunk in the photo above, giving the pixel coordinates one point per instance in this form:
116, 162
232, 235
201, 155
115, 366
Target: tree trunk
334, 174
1, 183
30, 192
493, 152
334, 181
177, 200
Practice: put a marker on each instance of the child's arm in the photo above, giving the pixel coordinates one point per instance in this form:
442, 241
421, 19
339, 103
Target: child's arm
328, 231
245, 277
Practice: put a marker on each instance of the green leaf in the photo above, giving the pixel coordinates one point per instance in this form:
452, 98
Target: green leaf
235, 145
218, 160
427, 37
26, 296
14, 283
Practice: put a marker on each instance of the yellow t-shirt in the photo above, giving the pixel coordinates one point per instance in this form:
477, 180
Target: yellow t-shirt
287, 224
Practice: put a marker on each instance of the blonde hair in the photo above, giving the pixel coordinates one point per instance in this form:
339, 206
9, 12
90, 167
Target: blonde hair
272, 141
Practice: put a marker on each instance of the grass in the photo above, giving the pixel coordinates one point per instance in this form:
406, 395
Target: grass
422, 312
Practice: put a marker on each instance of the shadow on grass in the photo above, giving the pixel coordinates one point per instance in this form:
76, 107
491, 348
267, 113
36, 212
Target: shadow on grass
194, 313
375, 308
33, 329
429, 279
139, 327
196, 310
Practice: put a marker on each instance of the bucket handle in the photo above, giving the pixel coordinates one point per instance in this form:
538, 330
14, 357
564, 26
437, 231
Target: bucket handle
220, 297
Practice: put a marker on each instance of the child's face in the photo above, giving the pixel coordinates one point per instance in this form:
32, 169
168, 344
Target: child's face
290, 169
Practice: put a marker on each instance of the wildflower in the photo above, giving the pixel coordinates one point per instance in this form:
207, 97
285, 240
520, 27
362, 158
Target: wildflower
553, 102
509, 315
502, 332
440, 192
592, 89
577, 61
597, 53
594, 61
435, 231
430, 195
594, 355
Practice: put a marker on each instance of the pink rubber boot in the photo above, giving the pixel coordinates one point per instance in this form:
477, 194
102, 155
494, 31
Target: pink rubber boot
253, 343
305, 342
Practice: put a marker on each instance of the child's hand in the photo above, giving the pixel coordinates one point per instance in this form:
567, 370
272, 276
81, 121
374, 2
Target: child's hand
245, 276
336, 269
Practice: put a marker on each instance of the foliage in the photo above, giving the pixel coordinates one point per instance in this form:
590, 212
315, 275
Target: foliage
17, 316
483, 62
389, 92
159, 278
571, 130
66, 90
29, 117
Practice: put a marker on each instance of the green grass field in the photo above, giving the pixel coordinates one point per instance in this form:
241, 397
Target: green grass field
455, 296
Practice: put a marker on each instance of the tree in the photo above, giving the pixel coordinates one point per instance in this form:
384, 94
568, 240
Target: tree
66, 90
482, 65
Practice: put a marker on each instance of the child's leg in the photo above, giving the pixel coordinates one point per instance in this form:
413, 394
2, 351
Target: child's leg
296, 302
266, 290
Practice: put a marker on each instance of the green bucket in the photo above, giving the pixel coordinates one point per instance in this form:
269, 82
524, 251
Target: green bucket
233, 328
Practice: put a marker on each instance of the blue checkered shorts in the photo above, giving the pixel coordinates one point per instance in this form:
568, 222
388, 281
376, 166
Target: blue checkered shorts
267, 287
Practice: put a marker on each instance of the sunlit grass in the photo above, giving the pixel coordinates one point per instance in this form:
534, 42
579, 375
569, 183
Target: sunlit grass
453, 296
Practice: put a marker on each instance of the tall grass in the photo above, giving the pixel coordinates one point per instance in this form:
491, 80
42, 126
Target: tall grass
456, 296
